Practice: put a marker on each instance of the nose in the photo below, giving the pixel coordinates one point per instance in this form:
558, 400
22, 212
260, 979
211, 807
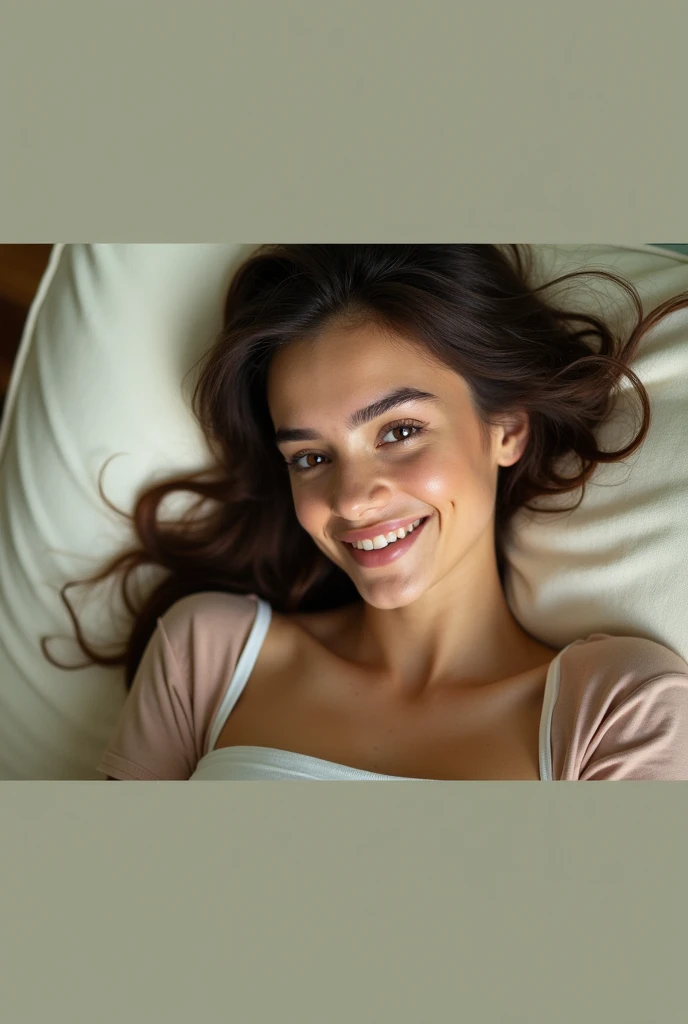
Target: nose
356, 490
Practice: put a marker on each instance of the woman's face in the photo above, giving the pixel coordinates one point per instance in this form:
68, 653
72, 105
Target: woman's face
424, 458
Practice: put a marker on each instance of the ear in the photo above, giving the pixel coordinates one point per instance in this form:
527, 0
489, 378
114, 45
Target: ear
513, 435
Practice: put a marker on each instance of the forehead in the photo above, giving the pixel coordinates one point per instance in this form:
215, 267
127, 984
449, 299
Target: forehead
343, 367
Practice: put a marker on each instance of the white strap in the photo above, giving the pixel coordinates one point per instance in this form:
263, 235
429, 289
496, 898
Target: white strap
243, 670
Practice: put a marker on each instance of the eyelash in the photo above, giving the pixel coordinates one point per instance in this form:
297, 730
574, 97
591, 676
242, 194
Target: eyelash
419, 429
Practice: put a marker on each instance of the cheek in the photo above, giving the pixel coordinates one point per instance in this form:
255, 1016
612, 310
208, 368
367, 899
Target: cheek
437, 477
451, 482
311, 512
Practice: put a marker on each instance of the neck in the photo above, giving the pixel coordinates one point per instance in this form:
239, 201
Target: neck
461, 631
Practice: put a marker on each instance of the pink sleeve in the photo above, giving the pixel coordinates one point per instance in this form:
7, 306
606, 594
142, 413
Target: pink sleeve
645, 736
154, 737
181, 679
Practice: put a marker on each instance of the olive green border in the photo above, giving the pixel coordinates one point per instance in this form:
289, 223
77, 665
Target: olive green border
140, 121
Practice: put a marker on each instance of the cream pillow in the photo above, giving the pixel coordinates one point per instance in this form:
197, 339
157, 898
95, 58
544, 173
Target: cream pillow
619, 563
111, 335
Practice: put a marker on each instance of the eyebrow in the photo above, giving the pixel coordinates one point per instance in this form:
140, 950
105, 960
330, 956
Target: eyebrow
399, 396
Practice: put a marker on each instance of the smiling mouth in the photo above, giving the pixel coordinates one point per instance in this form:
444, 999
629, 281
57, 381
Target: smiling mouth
384, 540
384, 553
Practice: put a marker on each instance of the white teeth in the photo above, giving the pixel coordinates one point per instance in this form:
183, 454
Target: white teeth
382, 540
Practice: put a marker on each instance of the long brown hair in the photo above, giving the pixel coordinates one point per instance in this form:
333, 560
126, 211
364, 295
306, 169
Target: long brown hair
471, 306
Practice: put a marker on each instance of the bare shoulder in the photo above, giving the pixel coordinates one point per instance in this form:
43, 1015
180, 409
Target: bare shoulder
329, 628
287, 636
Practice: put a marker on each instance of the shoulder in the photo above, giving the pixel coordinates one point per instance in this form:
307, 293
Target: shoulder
623, 652
204, 634
209, 604
621, 709
189, 660
330, 627
208, 614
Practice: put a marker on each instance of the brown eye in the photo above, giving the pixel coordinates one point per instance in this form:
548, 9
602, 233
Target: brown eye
406, 430
296, 464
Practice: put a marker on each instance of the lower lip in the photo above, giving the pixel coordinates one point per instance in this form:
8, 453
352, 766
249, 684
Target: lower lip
383, 556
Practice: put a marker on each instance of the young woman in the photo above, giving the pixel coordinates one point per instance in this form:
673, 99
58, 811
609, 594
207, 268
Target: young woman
333, 606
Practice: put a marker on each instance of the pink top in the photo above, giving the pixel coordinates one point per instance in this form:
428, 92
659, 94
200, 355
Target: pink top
615, 707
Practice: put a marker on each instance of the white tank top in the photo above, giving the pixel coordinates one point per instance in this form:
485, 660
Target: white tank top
250, 763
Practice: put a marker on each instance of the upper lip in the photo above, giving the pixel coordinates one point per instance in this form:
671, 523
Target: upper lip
377, 530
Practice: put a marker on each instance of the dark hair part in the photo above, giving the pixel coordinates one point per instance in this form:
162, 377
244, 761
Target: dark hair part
471, 306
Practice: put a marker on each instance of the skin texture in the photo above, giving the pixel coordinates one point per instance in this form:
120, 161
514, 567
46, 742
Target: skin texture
437, 617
